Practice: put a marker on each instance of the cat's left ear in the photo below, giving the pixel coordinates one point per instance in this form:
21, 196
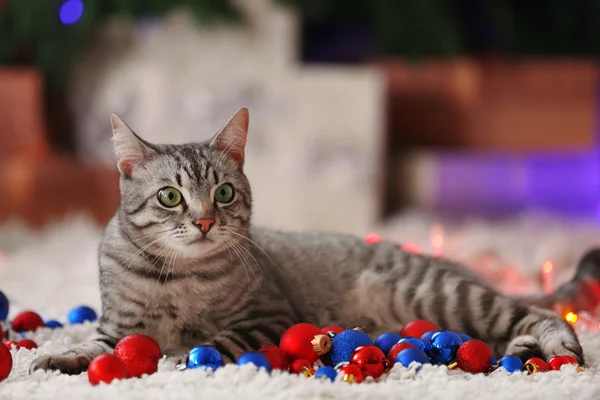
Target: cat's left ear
231, 139
131, 150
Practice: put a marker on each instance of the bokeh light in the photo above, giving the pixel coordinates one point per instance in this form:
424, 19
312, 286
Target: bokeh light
71, 11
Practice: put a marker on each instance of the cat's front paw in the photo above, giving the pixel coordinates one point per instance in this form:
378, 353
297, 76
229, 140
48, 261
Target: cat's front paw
67, 363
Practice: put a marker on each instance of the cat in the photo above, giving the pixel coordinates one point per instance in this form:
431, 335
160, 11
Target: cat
181, 262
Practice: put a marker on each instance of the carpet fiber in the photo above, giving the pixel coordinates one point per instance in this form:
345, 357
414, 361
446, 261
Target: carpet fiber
52, 270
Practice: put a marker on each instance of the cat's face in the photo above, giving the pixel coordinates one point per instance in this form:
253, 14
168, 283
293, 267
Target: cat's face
185, 201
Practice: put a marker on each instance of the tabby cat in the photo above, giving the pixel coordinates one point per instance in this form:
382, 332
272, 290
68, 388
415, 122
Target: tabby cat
181, 262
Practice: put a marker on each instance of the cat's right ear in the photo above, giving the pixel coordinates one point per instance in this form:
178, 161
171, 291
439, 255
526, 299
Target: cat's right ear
131, 150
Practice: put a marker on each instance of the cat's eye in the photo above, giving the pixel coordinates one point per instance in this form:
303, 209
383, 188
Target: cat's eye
224, 193
169, 197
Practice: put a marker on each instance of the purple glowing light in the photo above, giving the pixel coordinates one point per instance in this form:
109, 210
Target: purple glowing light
71, 11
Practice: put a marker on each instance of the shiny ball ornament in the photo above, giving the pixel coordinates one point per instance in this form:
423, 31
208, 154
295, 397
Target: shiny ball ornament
557, 362
79, 315
344, 344
474, 356
296, 342
106, 368
351, 373
407, 356
370, 359
27, 321
256, 358
464, 337
426, 337
27, 344
415, 342
4, 306
276, 357
10, 344
204, 357
139, 353
511, 363
6, 362
535, 364
443, 346
299, 366
386, 341
417, 328
326, 372
53, 324
395, 350
494, 361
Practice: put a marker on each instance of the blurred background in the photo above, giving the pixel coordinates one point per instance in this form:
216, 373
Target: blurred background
362, 112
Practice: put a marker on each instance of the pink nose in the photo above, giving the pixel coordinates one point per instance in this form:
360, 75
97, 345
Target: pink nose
205, 224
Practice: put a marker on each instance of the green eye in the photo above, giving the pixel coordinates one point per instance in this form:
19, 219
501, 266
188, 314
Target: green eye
224, 193
169, 197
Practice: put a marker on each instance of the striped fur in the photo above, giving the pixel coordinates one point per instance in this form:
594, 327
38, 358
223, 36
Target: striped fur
238, 287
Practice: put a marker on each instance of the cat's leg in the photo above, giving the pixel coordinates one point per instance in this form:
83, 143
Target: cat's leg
77, 360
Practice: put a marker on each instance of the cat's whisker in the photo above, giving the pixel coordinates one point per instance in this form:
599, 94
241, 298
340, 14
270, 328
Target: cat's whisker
118, 236
141, 250
255, 245
232, 246
169, 250
237, 245
173, 261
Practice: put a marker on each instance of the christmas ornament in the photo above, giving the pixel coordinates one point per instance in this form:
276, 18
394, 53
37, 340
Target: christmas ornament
417, 328
535, 364
27, 344
407, 356
139, 353
321, 344
395, 350
276, 357
373, 238
370, 359
27, 321
296, 342
443, 346
256, 358
326, 372
426, 337
204, 356
10, 344
344, 344
106, 368
6, 363
53, 324
386, 341
4, 306
473, 356
464, 337
351, 373
80, 314
300, 365
511, 363
333, 328
415, 342
557, 362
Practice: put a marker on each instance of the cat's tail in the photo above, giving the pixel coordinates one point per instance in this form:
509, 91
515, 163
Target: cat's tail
582, 292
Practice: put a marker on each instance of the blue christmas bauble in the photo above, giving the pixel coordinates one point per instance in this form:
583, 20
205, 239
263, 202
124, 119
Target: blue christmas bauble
204, 356
407, 356
385, 341
53, 324
415, 342
494, 361
326, 372
511, 363
256, 358
443, 346
4, 306
80, 314
464, 337
426, 337
344, 344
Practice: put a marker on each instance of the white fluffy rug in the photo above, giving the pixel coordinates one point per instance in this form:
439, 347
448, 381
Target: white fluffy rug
53, 270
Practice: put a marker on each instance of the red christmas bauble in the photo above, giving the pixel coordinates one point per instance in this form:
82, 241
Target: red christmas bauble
27, 344
557, 362
296, 342
336, 329
276, 358
299, 366
27, 321
370, 359
351, 373
106, 368
417, 328
139, 353
474, 356
6, 363
536, 364
395, 350
9, 344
